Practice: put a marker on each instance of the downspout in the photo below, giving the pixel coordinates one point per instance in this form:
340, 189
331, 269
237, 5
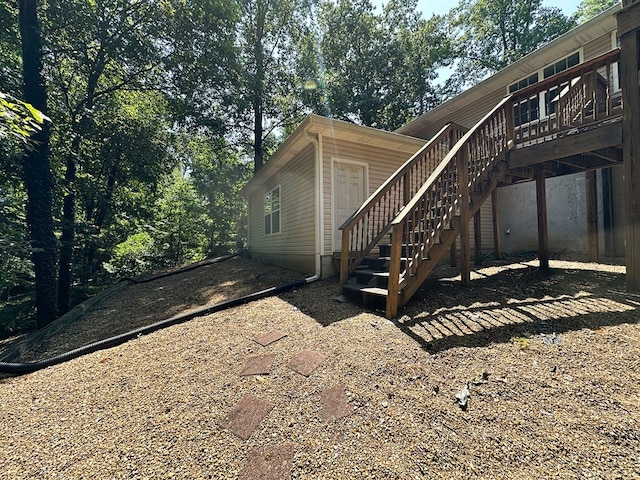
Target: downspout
319, 210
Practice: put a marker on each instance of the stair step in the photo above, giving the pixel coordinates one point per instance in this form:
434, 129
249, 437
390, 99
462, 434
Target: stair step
365, 290
366, 293
380, 292
364, 276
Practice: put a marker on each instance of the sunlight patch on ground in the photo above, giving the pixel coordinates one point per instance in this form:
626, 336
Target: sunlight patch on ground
554, 264
460, 321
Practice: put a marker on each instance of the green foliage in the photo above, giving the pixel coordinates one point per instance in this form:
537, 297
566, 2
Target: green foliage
375, 69
268, 95
218, 177
134, 256
19, 119
10, 51
15, 263
174, 236
492, 34
590, 8
201, 68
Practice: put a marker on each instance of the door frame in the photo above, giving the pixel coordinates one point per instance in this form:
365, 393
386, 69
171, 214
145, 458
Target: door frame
365, 193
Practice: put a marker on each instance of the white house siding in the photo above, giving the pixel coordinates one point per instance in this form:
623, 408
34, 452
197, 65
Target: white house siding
468, 117
566, 215
597, 47
381, 164
297, 217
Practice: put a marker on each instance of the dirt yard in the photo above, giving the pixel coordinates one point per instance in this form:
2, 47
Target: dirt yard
551, 362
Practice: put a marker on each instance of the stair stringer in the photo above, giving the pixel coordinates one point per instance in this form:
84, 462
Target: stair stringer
411, 284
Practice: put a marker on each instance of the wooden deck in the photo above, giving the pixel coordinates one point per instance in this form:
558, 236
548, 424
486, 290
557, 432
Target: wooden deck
568, 123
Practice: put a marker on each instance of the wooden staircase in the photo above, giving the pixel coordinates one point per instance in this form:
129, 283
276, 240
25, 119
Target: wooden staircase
423, 215
416, 215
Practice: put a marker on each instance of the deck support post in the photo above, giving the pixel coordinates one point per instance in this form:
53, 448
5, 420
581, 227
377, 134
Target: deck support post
344, 258
393, 284
628, 20
477, 237
452, 255
543, 236
591, 187
497, 244
463, 189
608, 219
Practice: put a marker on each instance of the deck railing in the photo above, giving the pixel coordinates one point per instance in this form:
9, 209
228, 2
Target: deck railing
445, 195
366, 227
432, 191
584, 94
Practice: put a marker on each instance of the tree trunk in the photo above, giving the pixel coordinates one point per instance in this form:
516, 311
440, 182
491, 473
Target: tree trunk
68, 236
258, 155
36, 171
67, 239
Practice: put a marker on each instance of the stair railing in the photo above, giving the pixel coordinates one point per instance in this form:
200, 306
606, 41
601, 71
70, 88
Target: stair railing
583, 94
445, 196
367, 226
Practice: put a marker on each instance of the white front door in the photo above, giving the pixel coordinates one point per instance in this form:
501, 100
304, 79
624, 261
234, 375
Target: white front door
349, 184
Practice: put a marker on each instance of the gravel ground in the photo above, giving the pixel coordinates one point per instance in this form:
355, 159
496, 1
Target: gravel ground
552, 362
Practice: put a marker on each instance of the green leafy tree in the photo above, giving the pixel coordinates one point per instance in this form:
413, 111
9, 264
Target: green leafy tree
218, 175
590, 8
269, 87
374, 69
125, 154
201, 68
173, 236
492, 34
19, 119
95, 49
10, 51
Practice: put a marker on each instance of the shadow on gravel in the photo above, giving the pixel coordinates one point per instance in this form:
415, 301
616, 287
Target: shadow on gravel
505, 300
516, 300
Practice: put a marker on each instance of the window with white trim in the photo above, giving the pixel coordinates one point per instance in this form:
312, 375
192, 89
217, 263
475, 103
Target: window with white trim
561, 65
272, 212
535, 107
546, 72
615, 43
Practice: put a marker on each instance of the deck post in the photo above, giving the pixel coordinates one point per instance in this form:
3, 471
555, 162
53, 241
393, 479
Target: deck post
541, 201
463, 189
452, 255
477, 237
344, 257
393, 284
497, 243
628, 20
608, 219
591, 188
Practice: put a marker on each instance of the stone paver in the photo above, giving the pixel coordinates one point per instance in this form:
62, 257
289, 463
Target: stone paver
271, 462
258, 365
246, 416
334, 404
306, 362
269, 338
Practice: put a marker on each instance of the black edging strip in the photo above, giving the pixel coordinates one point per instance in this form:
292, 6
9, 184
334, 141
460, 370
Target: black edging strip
181, 270
23, 368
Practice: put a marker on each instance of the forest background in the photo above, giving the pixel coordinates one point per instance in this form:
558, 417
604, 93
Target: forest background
128, 127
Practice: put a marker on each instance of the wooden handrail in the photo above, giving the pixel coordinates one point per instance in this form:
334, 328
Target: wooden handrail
578, 96
441, 198
366, 227
446, 160
610, 57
